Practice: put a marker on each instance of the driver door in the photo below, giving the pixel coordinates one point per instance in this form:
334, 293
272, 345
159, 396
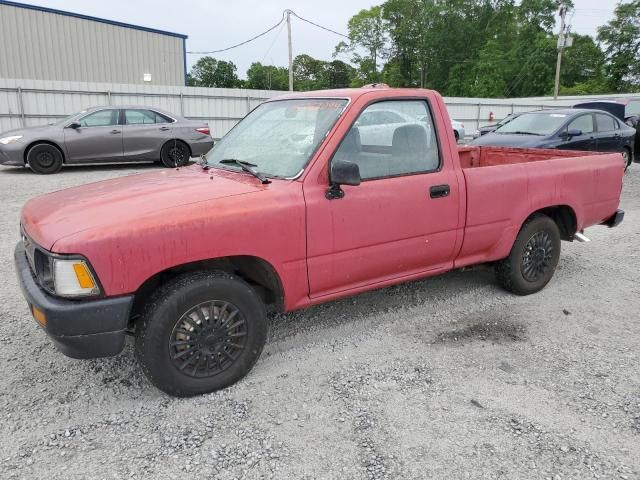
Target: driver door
402, 219
97, 139
586, 141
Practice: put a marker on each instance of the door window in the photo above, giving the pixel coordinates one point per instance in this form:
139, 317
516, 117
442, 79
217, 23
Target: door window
101, 118
392, 138
583, 123
143, 117
605, 123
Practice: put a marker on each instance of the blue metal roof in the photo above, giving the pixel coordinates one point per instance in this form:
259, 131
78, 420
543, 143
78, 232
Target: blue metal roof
94, 19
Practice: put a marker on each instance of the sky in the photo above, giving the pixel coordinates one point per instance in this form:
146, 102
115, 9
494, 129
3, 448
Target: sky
215, 24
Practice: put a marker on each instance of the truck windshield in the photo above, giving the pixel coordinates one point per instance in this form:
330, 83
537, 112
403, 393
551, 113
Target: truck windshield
278, 137
534, 123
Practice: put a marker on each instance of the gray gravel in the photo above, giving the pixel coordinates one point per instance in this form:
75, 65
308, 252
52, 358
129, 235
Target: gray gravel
448, 378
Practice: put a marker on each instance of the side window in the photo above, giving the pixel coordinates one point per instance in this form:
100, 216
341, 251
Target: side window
583, 123
402, 143
633, 108
605, 123
161, 118
101, 118
139, 117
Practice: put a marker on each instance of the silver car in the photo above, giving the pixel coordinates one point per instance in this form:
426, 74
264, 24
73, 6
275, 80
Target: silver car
107, 135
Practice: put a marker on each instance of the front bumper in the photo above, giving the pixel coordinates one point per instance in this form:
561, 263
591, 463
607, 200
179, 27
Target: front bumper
615, 219
79, 329
12, 154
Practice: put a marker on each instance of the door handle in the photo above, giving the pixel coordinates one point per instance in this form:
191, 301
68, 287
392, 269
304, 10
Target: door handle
115, 131
164, 129
439, 191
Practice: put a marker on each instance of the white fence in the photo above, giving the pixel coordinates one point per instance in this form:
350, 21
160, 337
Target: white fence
38, 102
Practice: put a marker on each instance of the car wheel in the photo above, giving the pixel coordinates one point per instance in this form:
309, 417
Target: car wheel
457, 135
201, 332
175, 154
533, 257
626, 157
44, 158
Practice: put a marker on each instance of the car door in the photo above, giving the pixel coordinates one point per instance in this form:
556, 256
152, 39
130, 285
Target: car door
400, 221
587, 139
98, 138
144, 133
608, 133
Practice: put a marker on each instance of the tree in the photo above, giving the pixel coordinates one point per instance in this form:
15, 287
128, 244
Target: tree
366, 32
621, 37
209, 72
267, 77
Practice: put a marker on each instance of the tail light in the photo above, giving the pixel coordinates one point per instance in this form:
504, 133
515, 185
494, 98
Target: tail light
204, 130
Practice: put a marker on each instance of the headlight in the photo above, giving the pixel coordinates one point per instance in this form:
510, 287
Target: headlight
11, 139
73, 278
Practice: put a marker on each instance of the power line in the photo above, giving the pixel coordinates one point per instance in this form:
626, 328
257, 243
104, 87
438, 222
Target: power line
242, 43
319, 26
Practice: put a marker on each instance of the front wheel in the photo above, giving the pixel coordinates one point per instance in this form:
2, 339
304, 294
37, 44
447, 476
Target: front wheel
533, 257
200, 332
44, 158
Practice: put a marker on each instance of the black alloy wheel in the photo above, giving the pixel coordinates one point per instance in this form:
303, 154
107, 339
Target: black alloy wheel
208, 339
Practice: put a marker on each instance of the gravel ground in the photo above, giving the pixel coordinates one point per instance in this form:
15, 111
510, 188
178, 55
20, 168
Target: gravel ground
448, 378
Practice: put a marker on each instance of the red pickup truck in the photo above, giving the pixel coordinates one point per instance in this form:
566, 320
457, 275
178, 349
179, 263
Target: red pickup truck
310, 198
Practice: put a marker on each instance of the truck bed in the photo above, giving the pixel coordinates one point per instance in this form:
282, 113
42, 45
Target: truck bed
477, 156
521, 181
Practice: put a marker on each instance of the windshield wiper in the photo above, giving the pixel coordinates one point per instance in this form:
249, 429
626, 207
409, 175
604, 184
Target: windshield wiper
246, 166
518, 132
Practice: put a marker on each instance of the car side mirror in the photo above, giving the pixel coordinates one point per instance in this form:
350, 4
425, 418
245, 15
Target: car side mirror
74, 125
573, 132
343, 172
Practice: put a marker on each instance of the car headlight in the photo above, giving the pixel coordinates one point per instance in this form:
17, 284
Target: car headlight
11, 139
73, 278
60, 275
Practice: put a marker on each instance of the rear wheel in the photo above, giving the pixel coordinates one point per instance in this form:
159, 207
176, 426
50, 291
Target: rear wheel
175, 154
533, 257
626, 157
44, 158
201, 332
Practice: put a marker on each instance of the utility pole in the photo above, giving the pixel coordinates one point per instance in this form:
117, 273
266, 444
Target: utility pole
561, 41
290, 51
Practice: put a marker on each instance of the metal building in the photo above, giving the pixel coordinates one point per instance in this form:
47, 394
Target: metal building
41, 43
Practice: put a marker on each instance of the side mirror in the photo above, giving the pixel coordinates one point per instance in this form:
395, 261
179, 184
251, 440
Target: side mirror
573, 132
345, 173
342, 173
74, 125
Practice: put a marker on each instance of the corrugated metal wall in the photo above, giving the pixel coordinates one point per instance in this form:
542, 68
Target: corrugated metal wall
49, 46
37, 102
34, 102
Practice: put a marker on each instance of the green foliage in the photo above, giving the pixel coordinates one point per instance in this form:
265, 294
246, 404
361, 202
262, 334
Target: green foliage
474, 48
267, 77
209, 72
621, 36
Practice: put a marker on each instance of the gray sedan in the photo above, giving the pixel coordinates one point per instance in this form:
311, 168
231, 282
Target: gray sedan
107, 135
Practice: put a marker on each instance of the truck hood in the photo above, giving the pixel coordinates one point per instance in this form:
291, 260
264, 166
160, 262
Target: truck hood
123, 201
508, 140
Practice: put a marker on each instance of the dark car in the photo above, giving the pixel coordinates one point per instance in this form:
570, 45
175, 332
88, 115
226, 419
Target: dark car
107, 135
565, 129
491, 128
626, 109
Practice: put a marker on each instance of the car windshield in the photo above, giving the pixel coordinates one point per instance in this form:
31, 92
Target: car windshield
534, 123
278, 137
507, 119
